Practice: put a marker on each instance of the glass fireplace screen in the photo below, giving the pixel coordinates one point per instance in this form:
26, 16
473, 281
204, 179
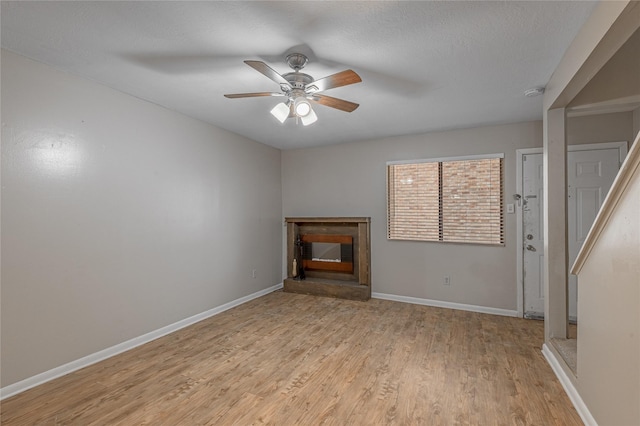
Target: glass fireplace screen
327, 255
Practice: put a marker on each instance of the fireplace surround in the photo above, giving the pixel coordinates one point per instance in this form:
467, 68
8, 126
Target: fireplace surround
335, 254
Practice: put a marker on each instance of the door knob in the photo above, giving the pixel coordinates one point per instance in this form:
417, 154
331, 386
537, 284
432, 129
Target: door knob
530, 247
518, 198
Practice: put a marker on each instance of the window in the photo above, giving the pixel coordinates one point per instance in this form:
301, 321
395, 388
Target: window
448, 200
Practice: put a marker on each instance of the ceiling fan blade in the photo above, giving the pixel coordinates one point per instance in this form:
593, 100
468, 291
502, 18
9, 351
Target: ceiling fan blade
268, 71
252, 95
340, 104
340, 79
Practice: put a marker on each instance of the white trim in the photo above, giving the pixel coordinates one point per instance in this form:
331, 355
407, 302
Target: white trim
448, 305
438, 160
88, 360
621, 146
571, 391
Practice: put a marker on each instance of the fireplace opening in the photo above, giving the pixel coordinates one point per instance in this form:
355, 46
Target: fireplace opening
326, 252
330, 253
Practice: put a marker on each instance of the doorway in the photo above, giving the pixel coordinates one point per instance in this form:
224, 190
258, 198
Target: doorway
591, 169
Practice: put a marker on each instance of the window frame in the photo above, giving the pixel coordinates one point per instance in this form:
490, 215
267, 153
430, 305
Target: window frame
500, 156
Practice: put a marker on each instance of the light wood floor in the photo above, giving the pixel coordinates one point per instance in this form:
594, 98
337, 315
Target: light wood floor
290, 359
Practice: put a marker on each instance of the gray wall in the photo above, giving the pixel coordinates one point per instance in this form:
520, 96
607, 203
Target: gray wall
349, 180
120, 217
611, 127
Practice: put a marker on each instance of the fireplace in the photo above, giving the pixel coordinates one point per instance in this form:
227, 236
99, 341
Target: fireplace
334, 254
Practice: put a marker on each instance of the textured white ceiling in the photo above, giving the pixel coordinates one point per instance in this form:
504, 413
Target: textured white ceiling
425, 66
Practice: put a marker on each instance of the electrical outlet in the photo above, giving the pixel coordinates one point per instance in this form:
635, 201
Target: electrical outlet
253, 273
447, 280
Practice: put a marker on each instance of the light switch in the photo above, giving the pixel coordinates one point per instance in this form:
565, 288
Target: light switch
511, 208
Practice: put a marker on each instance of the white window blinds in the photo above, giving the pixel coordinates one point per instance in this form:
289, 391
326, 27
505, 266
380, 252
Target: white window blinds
447, 200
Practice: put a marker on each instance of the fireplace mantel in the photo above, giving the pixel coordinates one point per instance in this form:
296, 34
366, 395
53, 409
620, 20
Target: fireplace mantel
348, 277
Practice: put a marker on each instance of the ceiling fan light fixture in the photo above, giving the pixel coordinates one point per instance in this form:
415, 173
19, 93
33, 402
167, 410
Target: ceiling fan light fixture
302, 107
309, 118
280, 112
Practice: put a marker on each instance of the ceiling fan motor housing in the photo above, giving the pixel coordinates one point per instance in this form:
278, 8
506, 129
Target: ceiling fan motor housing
297, 61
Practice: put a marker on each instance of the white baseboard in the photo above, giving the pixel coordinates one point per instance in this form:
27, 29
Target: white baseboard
448, 305
86, 361
571, 391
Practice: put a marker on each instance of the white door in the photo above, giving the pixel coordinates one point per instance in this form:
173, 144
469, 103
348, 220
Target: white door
590, 174
533, 248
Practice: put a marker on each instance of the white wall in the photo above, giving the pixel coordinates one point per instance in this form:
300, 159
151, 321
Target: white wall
349, 180
120, 217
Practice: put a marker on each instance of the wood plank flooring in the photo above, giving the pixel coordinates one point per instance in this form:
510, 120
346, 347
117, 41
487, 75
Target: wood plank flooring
292, 359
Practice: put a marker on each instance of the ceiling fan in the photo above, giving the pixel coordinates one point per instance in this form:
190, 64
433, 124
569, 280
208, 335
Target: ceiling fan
301, 90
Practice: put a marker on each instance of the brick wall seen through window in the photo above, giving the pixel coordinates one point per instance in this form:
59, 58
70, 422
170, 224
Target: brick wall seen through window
447, 200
